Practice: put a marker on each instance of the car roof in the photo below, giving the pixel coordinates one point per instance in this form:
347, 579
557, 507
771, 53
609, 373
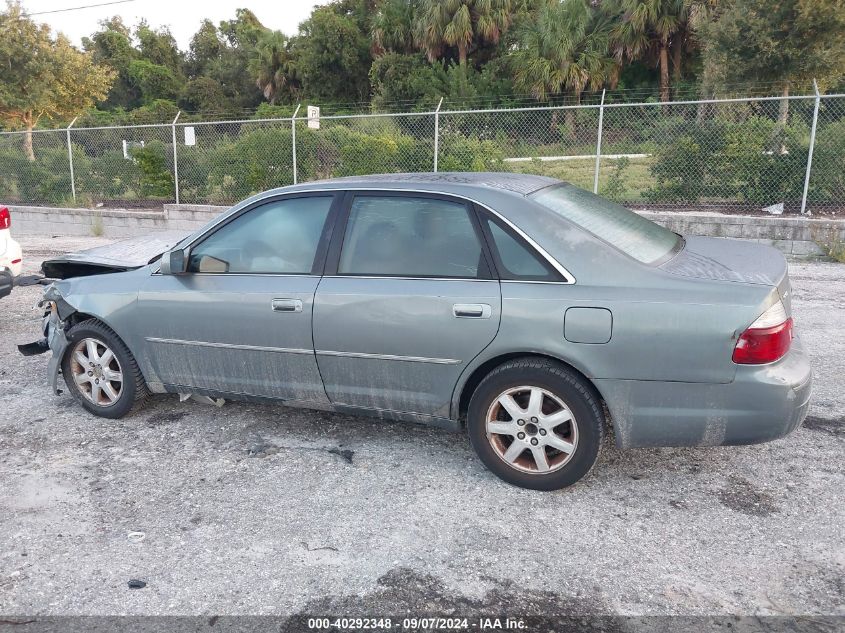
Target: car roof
522, 184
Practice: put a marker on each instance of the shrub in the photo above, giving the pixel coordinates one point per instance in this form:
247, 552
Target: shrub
755, 160
459, 153
156, 177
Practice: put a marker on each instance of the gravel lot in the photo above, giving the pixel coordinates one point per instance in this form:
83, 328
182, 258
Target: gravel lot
253, 509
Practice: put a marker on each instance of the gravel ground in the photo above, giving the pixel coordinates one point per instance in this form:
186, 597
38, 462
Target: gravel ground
252, 509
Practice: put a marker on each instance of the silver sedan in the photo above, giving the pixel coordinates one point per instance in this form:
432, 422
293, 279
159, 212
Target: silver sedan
534, 314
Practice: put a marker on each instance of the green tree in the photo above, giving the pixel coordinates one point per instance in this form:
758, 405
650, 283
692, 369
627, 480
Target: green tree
333, 57
402, 80
231, 69
159, 47
204, 50
462, 24
112, 46
789, 42
273, 65
42, 77
393, 26
564, 46
647, 30
153, 80
206, 96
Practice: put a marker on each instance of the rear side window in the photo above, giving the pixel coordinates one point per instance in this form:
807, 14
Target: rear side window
403, 236
631, 233
514, 259
278, 237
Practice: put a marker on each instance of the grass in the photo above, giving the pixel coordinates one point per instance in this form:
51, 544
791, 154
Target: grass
633, 179
97, 229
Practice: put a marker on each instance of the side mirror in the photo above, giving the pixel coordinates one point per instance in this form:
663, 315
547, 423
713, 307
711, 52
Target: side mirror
174, 262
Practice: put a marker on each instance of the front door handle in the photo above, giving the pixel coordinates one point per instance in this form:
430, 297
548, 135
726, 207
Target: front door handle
286, 305
472, 310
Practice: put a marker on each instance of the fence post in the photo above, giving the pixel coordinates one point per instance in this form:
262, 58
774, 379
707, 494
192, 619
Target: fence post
175, 159
598, 144
437, 132
810, 152
293, 139
70, 160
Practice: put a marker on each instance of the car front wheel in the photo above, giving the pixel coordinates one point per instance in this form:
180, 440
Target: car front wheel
536, 424
101, 372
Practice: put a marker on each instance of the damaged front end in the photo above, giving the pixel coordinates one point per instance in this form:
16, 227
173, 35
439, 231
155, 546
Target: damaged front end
56, 321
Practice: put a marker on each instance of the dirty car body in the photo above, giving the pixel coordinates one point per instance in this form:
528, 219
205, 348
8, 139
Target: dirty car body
407, 296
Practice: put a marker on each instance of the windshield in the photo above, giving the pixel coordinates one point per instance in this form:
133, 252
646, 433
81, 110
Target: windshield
631, 233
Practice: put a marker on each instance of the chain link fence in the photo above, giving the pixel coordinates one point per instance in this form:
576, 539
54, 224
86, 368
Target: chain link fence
735, 155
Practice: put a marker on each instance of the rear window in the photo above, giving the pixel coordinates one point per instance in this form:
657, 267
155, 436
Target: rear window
631, 233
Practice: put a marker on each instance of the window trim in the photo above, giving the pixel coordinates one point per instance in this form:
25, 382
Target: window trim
319, 261
486, 270
487, 218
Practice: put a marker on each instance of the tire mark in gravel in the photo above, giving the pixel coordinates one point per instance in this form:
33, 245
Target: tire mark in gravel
402, 590
741, 496
829, 426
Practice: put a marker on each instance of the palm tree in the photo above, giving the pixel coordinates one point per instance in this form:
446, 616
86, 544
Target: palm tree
272, 65
564, 46
462, 24
647, 30
393, 26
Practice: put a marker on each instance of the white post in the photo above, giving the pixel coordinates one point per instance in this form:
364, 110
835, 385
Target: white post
70, 160
598, 145
437, 132
810, 152
293, 139
175, 159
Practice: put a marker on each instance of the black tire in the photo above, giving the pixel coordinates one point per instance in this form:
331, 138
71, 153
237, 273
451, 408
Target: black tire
133, 392
578, 395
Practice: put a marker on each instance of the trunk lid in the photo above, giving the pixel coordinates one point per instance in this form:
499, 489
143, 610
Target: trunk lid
723, 259
117, 257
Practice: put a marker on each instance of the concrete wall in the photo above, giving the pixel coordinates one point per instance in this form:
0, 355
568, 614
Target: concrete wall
794, 236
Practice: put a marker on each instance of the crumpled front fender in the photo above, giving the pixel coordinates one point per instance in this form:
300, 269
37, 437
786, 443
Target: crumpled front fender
57, 341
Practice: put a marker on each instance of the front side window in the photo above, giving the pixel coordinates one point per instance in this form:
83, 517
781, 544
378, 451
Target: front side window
402, 236
631, 233
278, 237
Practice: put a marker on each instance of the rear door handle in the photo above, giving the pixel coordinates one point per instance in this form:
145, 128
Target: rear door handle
472, 310
286, 305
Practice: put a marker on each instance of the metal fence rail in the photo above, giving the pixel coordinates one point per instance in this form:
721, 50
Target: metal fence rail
720, 154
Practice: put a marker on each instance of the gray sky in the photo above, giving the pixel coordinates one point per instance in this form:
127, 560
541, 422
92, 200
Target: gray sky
182, 16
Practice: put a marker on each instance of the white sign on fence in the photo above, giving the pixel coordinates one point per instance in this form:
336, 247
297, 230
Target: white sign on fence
314, 117
127, 147
190, 136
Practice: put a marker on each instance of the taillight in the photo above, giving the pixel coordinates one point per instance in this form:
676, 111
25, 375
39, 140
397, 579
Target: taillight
5, 219
767, 339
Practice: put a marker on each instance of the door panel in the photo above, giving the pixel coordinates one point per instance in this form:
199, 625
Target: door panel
240, 319
396, 344
226, 334
407, 302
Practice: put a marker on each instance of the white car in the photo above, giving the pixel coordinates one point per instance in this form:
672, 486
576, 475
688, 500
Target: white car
11, 255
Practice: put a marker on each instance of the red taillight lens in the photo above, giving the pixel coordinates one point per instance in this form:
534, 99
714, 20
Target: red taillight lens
5, 219
757, 346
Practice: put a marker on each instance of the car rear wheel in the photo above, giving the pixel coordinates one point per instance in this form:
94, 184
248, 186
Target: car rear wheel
101, 372
536, 424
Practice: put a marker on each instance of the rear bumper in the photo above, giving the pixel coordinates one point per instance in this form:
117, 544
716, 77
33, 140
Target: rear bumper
763, 403
11, 255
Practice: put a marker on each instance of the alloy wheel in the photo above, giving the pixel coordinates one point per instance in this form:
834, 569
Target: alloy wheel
96, 372
532, 430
